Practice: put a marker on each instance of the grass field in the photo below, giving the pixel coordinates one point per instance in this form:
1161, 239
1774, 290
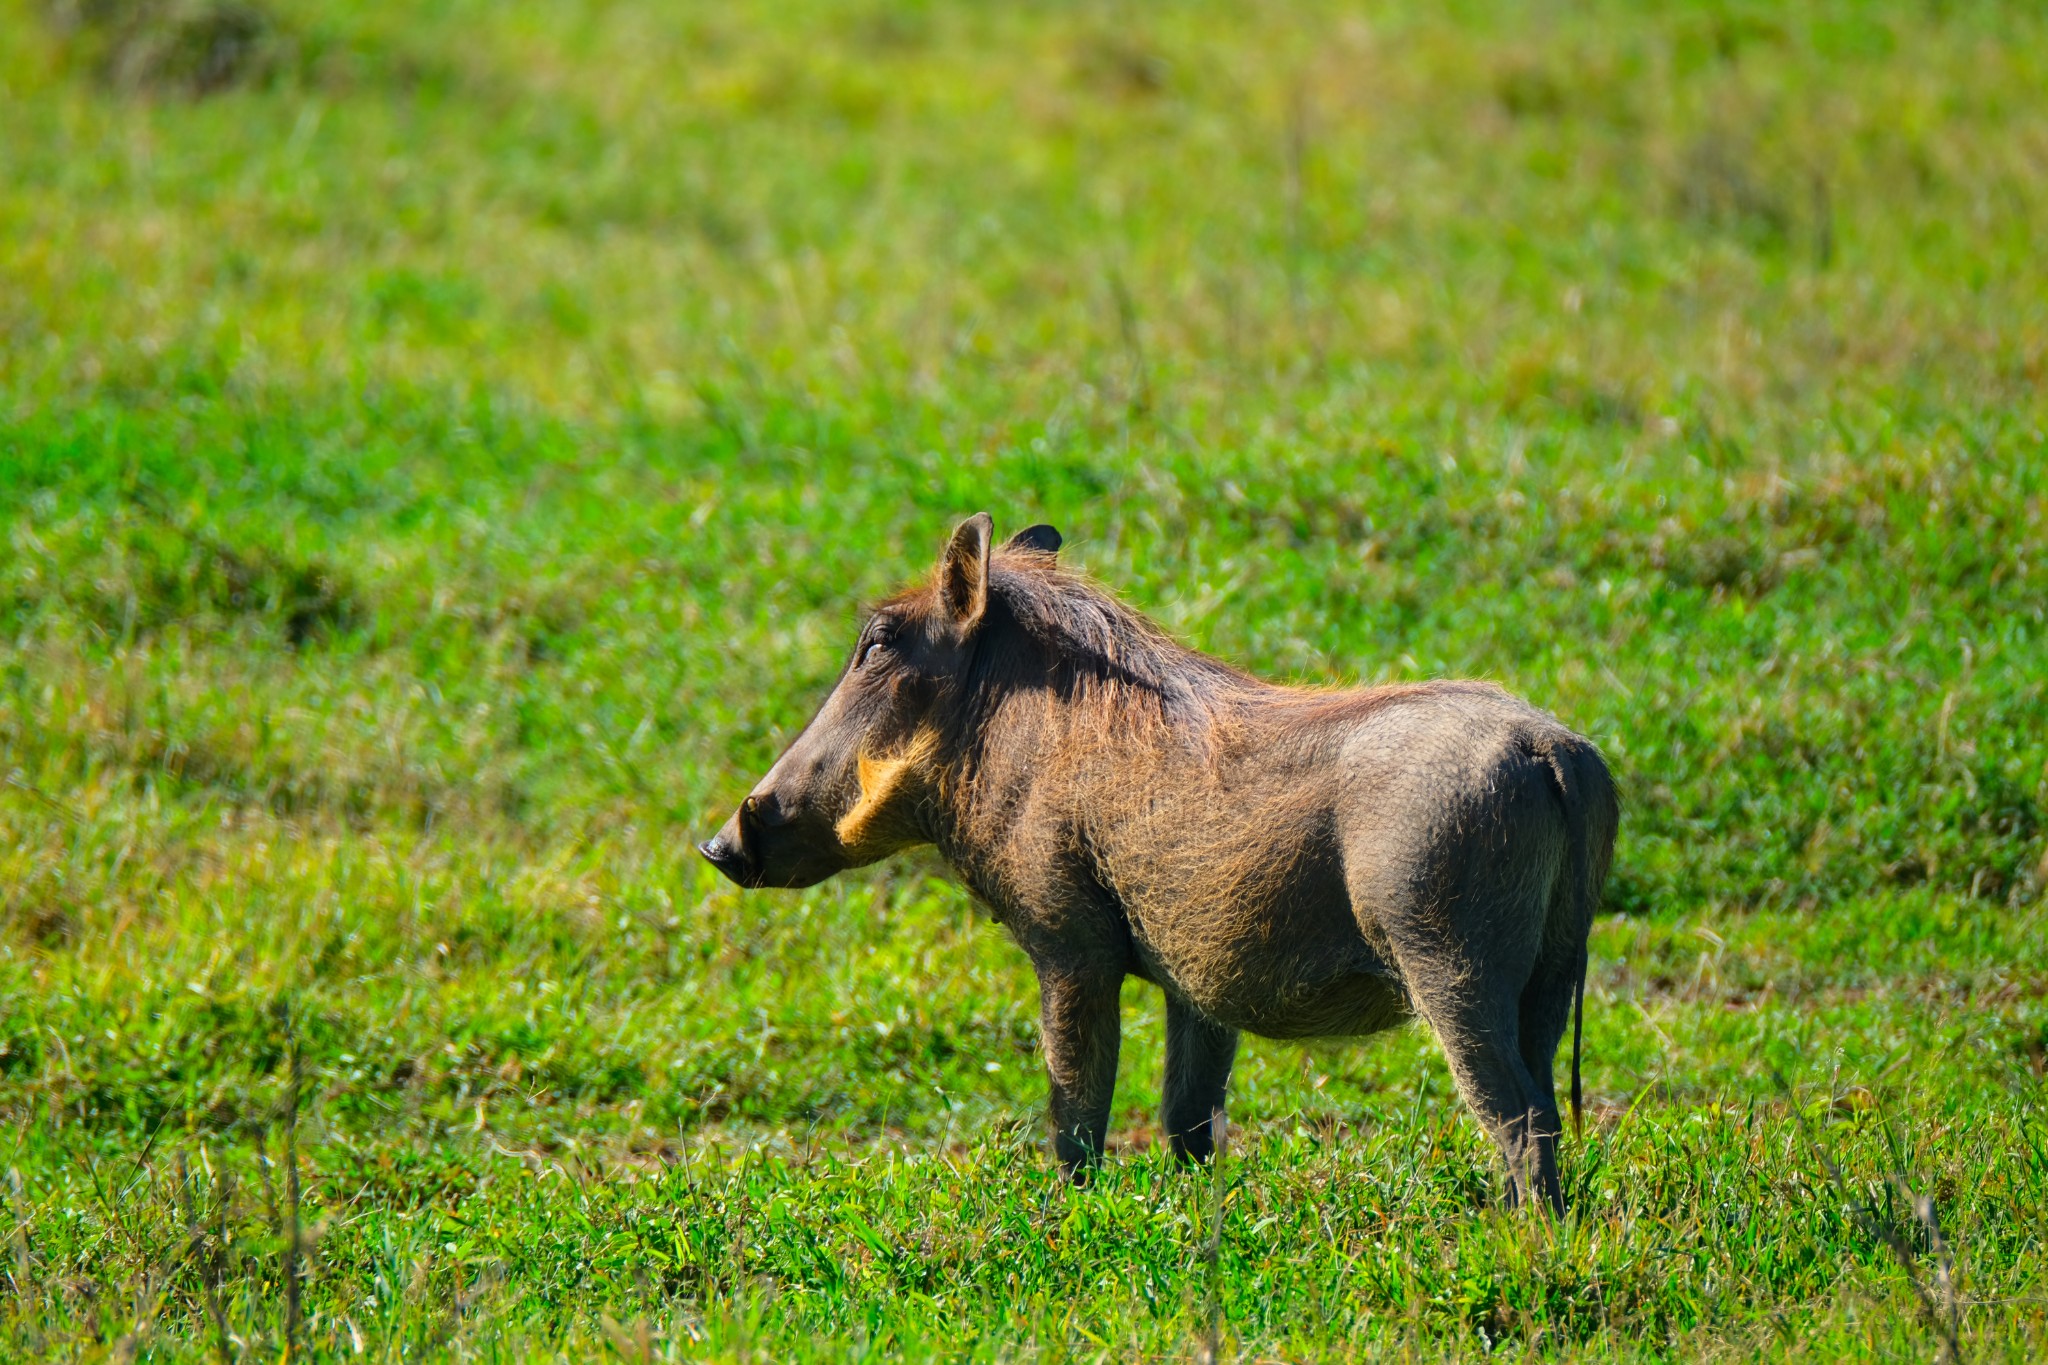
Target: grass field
443, 449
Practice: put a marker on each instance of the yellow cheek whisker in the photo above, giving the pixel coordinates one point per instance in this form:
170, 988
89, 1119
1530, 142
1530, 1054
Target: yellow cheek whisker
884, 785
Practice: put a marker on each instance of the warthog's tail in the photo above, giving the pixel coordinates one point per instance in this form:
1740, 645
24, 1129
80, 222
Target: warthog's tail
1592, 814
1578, 1033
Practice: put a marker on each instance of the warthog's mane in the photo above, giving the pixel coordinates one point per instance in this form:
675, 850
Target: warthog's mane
1064, 632
1078, 639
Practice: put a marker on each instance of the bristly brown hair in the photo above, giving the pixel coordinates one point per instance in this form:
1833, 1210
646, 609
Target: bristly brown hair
1098, 647
1293, 861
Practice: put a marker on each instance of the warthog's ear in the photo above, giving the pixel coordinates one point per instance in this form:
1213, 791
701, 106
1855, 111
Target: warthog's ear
963, 572
1041, 539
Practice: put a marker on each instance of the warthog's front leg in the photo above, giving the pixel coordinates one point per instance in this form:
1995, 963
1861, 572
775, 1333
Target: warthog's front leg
1081, 1030
1199, 1053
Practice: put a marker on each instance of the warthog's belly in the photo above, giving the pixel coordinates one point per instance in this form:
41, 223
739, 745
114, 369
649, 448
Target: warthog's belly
1364, 1002
1325, 983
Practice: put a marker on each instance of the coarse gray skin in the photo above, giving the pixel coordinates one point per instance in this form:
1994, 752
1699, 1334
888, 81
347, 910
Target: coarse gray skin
1290, 862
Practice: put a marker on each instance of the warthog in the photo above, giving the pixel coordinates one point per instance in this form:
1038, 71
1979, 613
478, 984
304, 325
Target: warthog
1296, 862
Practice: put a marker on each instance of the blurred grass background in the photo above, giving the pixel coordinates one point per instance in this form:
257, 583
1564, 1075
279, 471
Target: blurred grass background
442, 452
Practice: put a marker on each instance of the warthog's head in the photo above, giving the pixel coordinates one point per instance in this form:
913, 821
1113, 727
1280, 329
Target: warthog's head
852, 788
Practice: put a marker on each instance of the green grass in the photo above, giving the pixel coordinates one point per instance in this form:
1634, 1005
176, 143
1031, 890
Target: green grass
442, 462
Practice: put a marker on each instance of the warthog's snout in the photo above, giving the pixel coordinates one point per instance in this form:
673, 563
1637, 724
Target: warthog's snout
769, 843
731, 851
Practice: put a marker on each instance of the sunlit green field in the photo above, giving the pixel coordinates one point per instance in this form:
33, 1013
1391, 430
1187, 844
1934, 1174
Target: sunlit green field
444, 449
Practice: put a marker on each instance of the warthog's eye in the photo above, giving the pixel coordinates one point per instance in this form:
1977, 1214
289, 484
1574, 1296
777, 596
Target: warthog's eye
878, 637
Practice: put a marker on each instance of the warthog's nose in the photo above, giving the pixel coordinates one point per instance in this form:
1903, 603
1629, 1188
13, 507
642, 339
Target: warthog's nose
725, 855
736, 849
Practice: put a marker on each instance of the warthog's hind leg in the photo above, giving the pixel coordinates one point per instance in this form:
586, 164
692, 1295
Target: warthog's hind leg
1473, 1003
1545, 1014
1485, 1057
1080, 1030
1199, 1053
